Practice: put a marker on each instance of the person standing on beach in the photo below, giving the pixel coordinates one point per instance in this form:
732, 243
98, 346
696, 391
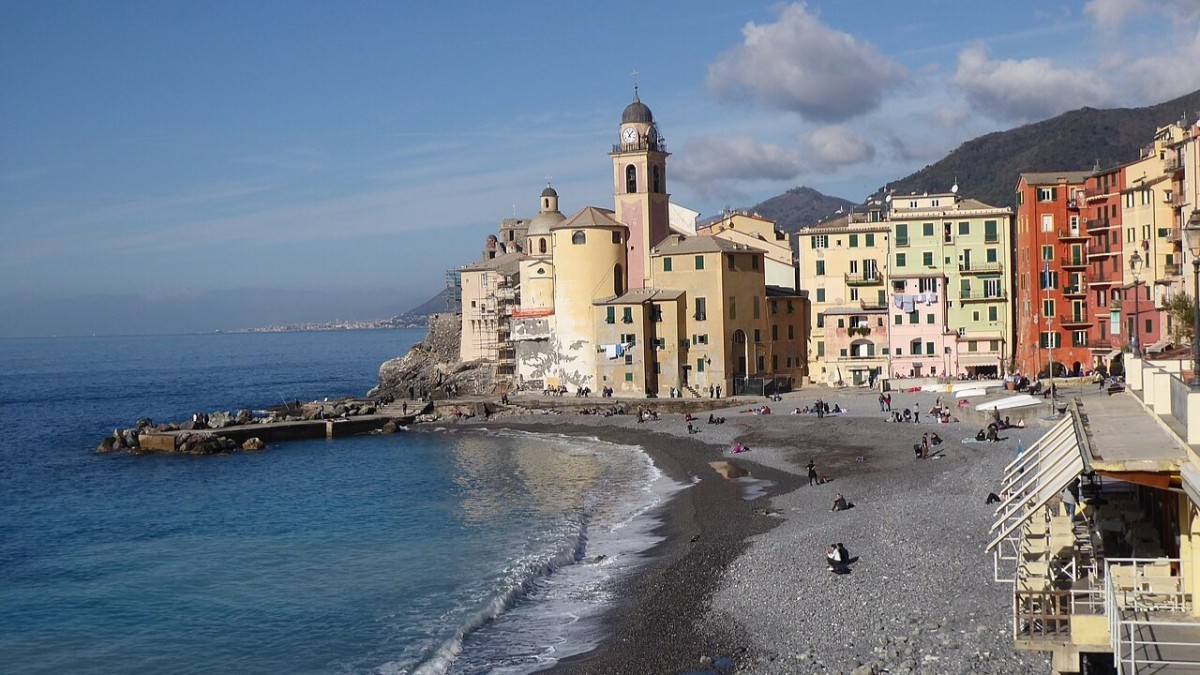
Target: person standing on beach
718, 391
882, 404
812, 473
888, 400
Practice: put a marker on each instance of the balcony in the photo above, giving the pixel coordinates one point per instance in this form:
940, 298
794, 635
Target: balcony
1073, 233
1179, 198
1075, 291
1102, 252
1080, 318
875, 305
980, 268
864, 279
1172, 269
1071, 261
1172, 163
1099, 224
1173, 234
982, 295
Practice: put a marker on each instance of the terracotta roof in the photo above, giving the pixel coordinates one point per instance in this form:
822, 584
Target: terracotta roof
677, 244
1052, 177
589, 216
505, 262
638, 296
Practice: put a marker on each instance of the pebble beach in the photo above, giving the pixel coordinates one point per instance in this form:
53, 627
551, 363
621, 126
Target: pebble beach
739, 584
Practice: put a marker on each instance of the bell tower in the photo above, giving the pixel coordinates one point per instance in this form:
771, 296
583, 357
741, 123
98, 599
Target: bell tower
640, 186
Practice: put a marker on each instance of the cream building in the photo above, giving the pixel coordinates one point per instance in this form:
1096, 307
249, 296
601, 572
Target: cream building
754, 230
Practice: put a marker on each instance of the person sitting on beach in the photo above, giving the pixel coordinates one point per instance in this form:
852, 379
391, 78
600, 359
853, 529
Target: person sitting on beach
796, 411
917, 450
712, 419
981, 436
688, 417
840, 503
924, 446
833, 558
994, 498
934, 439
837, 408
765, 410
993, 435
907, 415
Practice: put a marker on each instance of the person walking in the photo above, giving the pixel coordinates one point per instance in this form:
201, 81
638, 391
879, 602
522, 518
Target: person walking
882, 404
813, 479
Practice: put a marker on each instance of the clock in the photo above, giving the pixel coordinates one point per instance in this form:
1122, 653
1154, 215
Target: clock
629, 135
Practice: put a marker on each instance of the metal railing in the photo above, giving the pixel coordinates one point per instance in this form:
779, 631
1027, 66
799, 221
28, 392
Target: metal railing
864, 279
980, 267
982, 294
1073, 261
1144, 587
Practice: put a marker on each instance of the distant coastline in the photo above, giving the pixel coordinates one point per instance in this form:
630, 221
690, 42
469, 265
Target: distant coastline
402, 321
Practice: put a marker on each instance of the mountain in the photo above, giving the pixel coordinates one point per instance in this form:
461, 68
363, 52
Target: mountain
987, 167
799, 207
436, 305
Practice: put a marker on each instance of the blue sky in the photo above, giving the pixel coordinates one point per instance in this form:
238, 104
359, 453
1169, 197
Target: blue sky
160, 151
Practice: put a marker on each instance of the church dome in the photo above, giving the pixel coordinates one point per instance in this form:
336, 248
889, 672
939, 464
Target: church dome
637, 112
544, 220
549, 192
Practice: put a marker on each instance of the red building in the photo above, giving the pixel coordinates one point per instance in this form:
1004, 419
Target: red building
1102, 214
1051, 259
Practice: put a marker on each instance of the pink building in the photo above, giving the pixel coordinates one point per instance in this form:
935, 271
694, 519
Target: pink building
919, 344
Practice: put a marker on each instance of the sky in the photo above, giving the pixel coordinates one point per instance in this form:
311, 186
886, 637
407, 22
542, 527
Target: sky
181, 166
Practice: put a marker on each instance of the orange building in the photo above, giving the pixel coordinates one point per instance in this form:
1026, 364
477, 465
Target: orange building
1105, 275
1051, 255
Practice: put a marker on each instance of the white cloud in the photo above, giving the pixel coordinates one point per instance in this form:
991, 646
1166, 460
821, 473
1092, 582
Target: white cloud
707, 160
836, 145
801, 65
1025, 89
1109, 15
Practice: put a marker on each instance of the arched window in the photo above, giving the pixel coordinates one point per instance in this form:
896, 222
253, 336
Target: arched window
631, 178
511, 234
657, 179
546, 204
618, 280
578, 237
541, 245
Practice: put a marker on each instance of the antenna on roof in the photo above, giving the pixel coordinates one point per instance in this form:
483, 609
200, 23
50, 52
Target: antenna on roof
954, 188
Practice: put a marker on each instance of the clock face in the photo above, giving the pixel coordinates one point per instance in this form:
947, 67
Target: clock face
629, 135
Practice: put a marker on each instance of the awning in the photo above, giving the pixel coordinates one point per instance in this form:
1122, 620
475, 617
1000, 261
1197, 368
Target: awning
1112, 355
1036, 476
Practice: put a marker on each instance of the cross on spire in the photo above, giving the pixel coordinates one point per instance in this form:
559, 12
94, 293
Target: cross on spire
547, 180
635, 83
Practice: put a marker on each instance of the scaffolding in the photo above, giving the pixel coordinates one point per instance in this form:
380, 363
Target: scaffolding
454, 288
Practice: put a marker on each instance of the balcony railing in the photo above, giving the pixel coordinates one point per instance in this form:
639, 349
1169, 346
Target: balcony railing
1172, 269
1073, 233
1075, 319
980, 267
979, 294
1097, 224
873, 304
1172, 163
1179, 199
1075, 290
1173, 234
864, 279
1074, 261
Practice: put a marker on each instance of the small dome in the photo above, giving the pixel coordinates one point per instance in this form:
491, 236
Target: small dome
549, 192
637, 112
543, 221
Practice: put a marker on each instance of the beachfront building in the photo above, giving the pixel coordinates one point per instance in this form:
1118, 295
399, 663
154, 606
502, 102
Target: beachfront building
1051, 251
752, 229
1099, 534
637, 300
1185, 191
842, 265
489, 296
949, 303
1100, 285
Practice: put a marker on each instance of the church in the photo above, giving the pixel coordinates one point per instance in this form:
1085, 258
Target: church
636, 298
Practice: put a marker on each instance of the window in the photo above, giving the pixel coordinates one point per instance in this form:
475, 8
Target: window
1050, 340
774, 307
774, 331
901, 260
841, 323
927, 284
701, 310
541, 244
1049, 280
902, 234
701, 339
853, 294
667, 264
993, 314
757, 335
755, 306
992, 255
699, 365
991, 231
964, 228
927, 229
820, 295
774, 362
1149, 325
629, 339
870, 239
753, 262
732, 307
820, 349
972, 346
790, 307
854, 241
616, 237
610, 315
991, 288
629, 377
791, 332
656, 312
631, 178
730, 258
660, 343
820, 268
699, 262
993, 345
820, 241
927, 258
1048, 308
1047, 194
1047, 253
899, 319
629, 359
820, 320
929, 318
929, 348
578, 237
1047, 222
914, 317
657, 179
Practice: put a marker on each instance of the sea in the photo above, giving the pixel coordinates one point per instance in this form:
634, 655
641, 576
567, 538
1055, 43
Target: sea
445, 550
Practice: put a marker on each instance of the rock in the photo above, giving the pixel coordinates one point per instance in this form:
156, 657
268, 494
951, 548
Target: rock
105, 447
253, 444
367, 410
340, 410
219, 420
144, 423
866, 669
389, 428
243, 417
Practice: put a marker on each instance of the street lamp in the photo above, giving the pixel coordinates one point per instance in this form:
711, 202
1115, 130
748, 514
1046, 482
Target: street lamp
1191, 234
1135, 267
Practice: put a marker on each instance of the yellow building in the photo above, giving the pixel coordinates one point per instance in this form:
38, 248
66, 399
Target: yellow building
488, 300
843, 264
761, 233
